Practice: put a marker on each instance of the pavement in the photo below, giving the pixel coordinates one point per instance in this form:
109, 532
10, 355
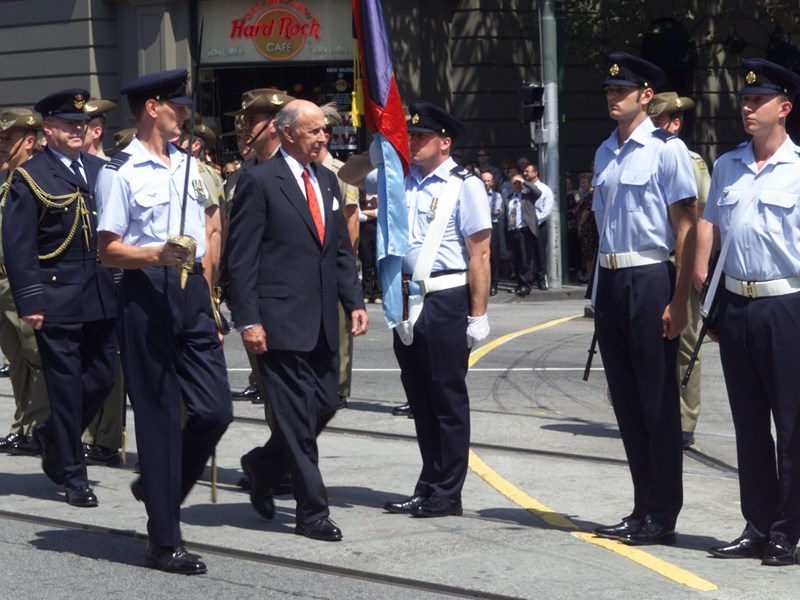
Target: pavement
547, 467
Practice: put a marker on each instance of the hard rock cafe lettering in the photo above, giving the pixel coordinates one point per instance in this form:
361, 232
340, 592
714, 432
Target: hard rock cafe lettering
280, 32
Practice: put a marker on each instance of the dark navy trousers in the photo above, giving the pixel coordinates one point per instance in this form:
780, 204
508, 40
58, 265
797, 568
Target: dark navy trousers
640, 367
171, 354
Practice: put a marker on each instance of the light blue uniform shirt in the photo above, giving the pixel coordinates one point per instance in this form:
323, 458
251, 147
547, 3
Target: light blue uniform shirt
470, 215
141, 200
766, 243
649, 175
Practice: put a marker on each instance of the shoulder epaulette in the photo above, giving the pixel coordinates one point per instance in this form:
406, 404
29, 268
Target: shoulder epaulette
664, 135
119, 159
461, 172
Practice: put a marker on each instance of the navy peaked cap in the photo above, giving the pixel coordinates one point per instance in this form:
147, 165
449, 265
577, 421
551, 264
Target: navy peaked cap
765, 77
431, 118
631, 71
166, 85
67, 104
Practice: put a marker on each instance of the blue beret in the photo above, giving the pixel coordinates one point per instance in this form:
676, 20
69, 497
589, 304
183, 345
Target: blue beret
166, 85
764, 77
631, 71
67, 104
427, 117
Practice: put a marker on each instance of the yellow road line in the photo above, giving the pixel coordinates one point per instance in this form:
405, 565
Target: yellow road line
646, 559
556, 519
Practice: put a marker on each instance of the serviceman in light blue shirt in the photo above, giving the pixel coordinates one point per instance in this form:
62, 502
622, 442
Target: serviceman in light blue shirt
754, 204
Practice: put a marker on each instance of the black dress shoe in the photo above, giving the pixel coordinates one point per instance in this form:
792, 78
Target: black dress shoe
83, 497
8, 441
251, 391
5, 371
523, 291
740, 548
261, 495
779, 552
515, 290
493, 290
173, 560
342, 402
544, 284
101, 456
51, 465
649, 533
402, 410
687, 439
25, 446
137, 489
322, 529
624, 527
405, 506
244, 483
438, 506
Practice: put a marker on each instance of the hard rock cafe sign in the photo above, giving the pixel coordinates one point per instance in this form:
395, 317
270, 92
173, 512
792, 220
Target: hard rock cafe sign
279, 28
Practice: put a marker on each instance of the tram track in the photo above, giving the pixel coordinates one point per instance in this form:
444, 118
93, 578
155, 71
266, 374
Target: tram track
411, 584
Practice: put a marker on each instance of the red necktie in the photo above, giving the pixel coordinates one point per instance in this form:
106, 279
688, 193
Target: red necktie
313, 205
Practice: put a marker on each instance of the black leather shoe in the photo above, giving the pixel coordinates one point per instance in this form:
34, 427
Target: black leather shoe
740, 548
624, 527
83, 497
244, 483
5, 371
493, 290
8, 441
25, 446
173, 560
402, 410
544, 283
342, 402
687, 439
322, 529
404, 506
515, 290
251, 391
51, 465
137, 489
523, 291
779, 552
101, 456
261, 496
649, 533
438, 506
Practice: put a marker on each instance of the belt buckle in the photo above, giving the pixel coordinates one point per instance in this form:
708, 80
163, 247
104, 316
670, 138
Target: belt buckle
612, 260
750, 289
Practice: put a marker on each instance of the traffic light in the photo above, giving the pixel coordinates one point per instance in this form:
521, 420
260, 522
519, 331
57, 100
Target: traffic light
532, 99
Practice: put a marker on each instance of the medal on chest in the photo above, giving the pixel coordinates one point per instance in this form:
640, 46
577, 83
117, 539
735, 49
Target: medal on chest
432, 208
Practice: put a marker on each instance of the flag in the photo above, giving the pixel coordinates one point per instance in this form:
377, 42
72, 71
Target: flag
383, 112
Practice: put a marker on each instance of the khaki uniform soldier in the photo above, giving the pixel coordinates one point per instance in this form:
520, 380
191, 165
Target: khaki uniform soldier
349, 196
666, 111
17, 139
103, 437
257, 115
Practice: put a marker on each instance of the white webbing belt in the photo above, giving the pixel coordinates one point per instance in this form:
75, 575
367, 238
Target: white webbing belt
757, 289
624, 260
443, 282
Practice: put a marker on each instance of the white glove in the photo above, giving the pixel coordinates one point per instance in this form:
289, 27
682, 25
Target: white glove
477, 329
375, 154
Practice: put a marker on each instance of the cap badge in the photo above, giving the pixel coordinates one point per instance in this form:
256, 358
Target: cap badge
79, 102
90, 108
750, 78
614, 70
31, 121
678, 103
415, 119
275, 100
244, 104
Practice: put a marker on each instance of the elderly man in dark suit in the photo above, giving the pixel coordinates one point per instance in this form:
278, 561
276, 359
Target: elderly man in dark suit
50, 247
290, 263
522, 229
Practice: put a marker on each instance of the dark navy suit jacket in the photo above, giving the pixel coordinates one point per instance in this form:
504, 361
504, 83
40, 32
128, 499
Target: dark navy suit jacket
72, 287
280, 274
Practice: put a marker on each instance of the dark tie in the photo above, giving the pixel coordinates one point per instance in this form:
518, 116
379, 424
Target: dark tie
76, 168
313, 205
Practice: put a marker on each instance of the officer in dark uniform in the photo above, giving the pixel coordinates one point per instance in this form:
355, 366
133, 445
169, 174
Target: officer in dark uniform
170, 347
455, 292
754, 204
50, 246
645, 201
